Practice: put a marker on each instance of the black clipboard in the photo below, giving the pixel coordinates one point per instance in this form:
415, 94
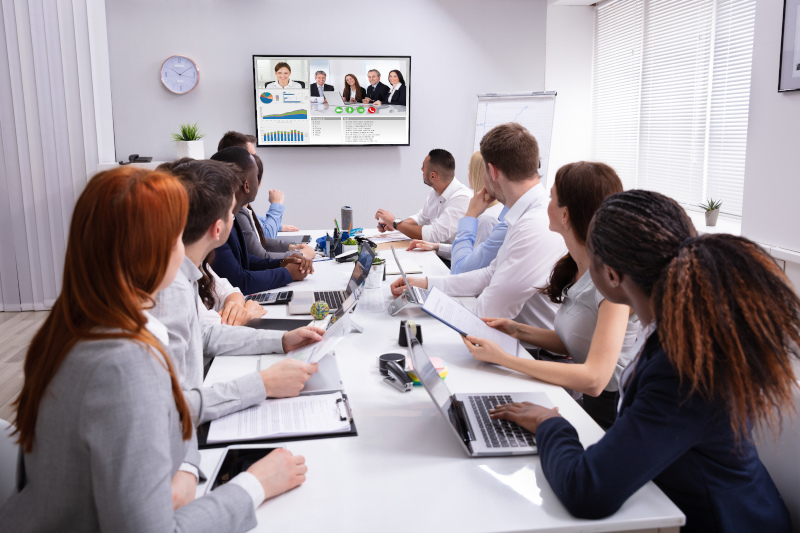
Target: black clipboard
202, 431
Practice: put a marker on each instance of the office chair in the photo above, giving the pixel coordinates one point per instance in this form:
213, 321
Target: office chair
8, 461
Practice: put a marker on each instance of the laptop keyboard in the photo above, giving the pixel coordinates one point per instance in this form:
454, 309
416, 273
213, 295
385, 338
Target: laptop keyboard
267, 297
332, 298
499, 433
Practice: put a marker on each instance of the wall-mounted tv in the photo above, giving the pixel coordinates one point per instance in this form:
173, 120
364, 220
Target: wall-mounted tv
332, 100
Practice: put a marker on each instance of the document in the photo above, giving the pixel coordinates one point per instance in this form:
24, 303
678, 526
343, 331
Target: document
389, 236
286, 417
450, 312
313, 353
408, 267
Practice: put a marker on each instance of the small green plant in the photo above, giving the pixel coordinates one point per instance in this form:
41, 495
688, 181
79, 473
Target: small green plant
350, 242
188, 132
378, 261
711, 204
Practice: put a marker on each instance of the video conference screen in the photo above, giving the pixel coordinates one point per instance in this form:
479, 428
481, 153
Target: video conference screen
332, 100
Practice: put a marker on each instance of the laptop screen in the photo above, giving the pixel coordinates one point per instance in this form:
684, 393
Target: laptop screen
360, 271
428, 375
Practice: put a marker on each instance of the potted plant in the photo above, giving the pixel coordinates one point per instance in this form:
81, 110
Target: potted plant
349, 245
188, 141
376, 274
712, 211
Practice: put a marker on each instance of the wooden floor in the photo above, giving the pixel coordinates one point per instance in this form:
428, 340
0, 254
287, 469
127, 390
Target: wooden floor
16, 332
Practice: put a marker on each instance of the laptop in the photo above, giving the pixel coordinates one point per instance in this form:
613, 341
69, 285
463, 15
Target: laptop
467, 414
412, 295
302, 300
295, 239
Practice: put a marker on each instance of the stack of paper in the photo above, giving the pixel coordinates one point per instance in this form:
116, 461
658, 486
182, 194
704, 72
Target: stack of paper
287, 417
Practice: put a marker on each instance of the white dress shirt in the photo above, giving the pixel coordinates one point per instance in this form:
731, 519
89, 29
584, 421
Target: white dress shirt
439, 217
509, 286
290, 85
394, 88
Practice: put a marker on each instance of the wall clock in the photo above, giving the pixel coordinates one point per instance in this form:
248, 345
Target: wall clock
179, 74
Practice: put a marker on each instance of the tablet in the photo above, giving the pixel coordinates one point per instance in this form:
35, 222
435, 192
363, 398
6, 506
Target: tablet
237, 459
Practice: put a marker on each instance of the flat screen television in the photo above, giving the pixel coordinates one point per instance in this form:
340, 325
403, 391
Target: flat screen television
332, 100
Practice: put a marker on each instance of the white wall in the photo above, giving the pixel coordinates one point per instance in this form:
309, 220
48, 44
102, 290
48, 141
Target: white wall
458, 49
770, 212
570, 52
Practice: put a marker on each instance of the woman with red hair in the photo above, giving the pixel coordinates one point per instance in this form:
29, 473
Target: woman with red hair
101, 420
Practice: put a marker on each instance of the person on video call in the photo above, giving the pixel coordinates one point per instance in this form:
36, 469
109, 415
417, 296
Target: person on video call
376, 91
353, 91
397, 95
437, 221
319, 88
283, 72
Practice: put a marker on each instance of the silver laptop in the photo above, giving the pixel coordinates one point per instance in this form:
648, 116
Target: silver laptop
468, 414
302, 300
412, 295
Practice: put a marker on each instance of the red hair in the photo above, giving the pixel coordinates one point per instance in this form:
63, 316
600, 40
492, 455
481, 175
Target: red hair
123, 230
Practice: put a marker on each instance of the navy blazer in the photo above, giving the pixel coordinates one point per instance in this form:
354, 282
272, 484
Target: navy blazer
250, 273
683, 443
398, 98
315, 92
381, 92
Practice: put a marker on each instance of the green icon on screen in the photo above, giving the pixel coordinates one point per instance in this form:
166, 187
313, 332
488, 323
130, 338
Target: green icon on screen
360, 109
339, 110
349, 109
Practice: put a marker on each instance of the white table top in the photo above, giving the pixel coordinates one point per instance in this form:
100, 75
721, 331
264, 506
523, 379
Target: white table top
405, 470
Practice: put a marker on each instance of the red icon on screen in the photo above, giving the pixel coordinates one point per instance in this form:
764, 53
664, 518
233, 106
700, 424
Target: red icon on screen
371, 110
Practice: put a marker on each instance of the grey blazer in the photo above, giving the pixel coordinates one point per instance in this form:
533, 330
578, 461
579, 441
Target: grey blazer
276, 248
107, 445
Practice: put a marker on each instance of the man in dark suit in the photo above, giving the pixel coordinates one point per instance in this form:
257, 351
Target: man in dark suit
319, 88
376, 91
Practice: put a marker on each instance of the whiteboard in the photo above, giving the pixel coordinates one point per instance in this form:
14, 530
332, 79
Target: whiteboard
533, 110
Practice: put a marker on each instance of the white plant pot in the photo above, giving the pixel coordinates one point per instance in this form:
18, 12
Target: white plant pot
193, 149
349, 248
375, 277
711, 217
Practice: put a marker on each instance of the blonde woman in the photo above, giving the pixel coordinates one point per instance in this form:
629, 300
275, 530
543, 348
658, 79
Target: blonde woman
480, 232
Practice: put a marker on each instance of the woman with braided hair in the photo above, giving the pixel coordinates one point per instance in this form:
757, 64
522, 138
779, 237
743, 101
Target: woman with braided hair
713, 360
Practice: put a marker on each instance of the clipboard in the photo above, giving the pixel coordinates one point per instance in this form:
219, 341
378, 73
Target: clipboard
202, 431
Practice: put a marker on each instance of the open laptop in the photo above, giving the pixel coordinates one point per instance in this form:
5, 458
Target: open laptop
412, 295
467, 414
302, 300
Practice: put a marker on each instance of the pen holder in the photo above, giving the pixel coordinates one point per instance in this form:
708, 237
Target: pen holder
402, 340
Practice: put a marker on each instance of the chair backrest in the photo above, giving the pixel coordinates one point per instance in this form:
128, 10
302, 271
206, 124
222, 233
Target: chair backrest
9, 452
781, 456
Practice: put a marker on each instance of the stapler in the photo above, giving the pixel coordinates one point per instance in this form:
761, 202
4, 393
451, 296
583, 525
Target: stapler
398, 378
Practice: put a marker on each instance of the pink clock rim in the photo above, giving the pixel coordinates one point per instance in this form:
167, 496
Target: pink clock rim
162, 79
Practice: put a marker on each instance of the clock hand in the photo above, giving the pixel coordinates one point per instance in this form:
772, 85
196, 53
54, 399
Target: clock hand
175, 71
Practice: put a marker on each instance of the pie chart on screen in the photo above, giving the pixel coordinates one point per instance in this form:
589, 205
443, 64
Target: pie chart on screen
267, 98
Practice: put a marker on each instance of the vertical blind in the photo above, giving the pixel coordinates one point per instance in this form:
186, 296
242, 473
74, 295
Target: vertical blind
55, 127
670, 96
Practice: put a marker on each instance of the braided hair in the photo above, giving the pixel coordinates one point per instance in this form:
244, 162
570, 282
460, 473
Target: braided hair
728, 318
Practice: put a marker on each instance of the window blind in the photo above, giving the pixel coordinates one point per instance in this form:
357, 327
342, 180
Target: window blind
687, 103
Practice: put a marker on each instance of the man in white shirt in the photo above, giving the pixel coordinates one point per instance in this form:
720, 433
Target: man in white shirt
509, 286
437, 221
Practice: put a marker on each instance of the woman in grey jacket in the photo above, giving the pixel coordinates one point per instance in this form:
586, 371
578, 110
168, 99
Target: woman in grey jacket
105, 432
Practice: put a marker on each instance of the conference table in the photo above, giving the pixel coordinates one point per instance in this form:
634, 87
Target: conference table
405, 470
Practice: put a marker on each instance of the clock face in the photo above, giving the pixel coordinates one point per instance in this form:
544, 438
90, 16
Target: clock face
179, 74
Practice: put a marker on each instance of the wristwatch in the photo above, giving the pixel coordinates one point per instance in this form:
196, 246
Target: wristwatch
396, 221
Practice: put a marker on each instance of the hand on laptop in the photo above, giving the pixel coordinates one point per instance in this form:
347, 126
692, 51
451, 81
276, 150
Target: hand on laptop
398, 286
236, 314
279, 472
525, 414
417, 244
287, 378
479, 203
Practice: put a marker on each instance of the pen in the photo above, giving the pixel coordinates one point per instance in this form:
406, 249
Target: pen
337, 224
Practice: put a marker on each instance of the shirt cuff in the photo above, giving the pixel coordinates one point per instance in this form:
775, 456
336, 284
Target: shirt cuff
445, 249
468, 224
252, 486
187, 467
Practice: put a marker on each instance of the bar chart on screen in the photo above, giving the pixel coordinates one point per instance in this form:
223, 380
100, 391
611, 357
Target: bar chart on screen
284, 132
